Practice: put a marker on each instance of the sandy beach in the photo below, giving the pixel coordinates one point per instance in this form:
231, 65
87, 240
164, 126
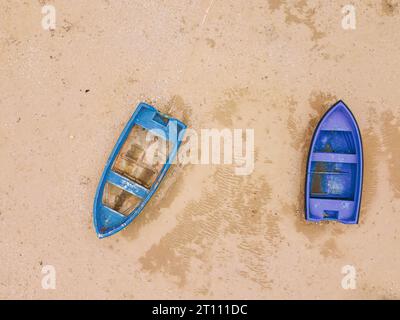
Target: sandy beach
272, 66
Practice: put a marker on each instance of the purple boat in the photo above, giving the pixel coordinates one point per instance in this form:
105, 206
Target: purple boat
335, 168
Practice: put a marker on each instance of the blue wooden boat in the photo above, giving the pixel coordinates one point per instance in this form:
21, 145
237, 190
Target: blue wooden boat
139, 161
335, 168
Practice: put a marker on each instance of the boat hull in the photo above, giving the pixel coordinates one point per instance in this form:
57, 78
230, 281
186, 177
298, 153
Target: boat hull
335, 168
128, 180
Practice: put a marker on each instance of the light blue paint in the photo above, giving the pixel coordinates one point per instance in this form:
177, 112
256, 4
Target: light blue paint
108, 221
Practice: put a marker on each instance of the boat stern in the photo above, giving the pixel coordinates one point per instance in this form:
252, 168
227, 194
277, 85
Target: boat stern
332, 210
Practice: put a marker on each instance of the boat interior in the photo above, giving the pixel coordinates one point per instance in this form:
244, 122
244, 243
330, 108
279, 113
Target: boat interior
140, 160
333, 175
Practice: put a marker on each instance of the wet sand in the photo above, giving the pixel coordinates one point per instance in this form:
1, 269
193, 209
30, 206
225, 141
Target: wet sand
273, 66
